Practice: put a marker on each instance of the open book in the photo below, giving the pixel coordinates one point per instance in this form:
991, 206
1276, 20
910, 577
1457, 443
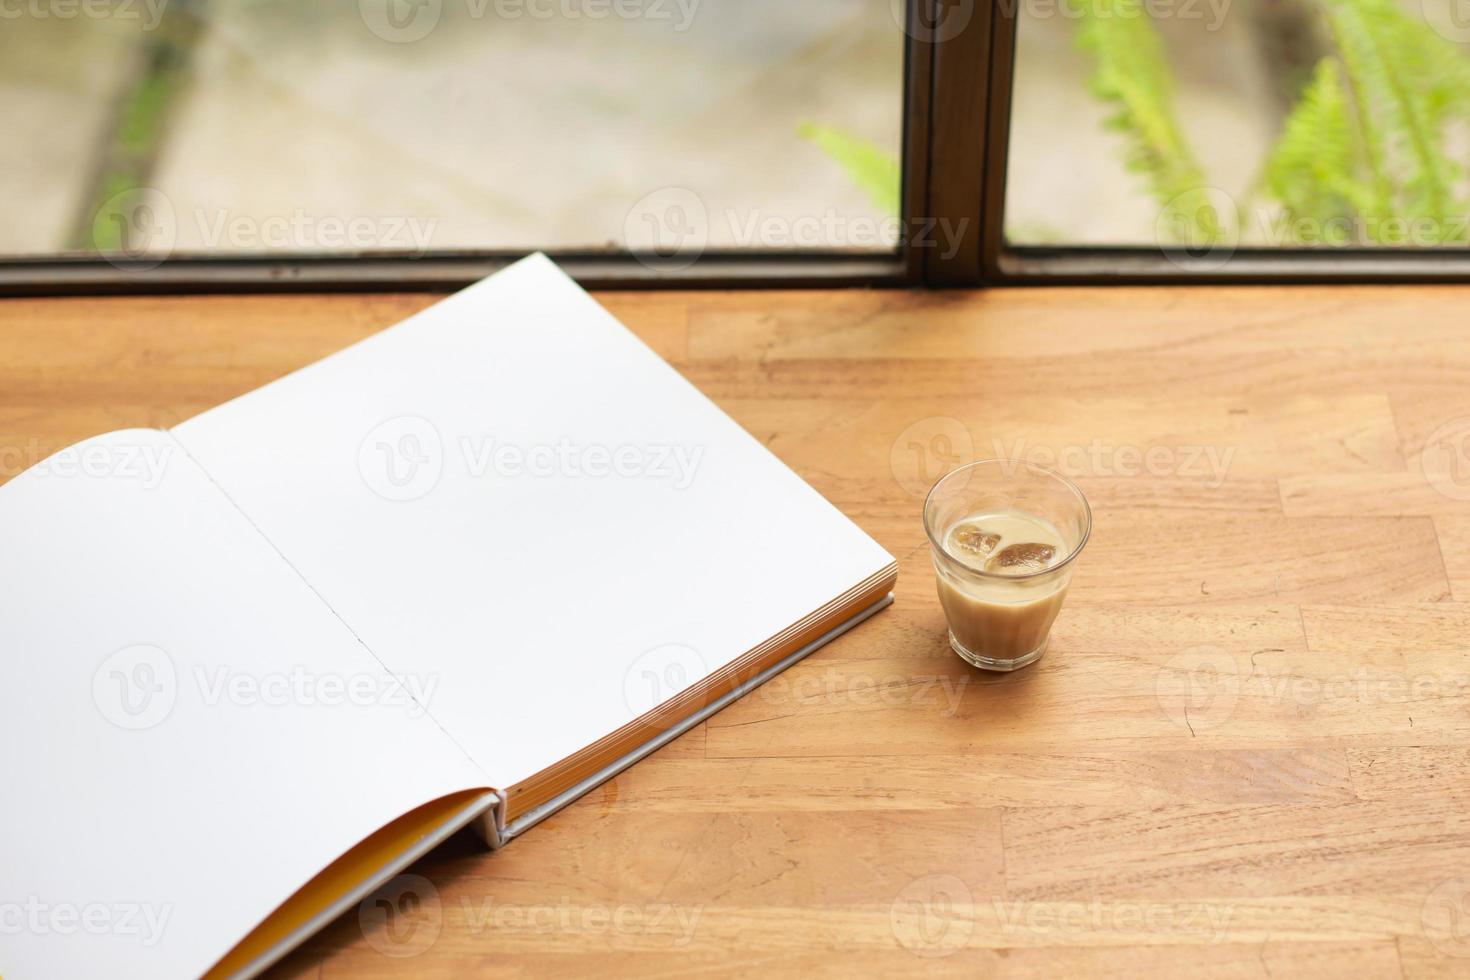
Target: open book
459, 573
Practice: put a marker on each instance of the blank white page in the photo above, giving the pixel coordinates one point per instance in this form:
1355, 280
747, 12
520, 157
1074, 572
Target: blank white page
176, 757
510, 491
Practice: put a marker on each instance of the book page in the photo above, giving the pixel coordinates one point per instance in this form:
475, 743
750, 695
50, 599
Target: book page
511, 492
190, 734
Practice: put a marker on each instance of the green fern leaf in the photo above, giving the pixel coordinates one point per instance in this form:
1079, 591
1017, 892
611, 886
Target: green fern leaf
1132, 76
1407, 83
867, 165
1314, 168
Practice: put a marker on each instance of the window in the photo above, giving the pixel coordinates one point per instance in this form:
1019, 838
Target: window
1212, 131
203, 144
149, 130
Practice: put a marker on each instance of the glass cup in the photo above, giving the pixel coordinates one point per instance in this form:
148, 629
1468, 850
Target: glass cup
1002, 621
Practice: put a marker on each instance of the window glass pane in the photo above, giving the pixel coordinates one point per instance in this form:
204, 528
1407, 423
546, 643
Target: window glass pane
1212, 123
247, 126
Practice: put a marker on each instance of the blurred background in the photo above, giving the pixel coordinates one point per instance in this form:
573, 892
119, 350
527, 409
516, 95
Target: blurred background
250, 126
474, 123
1263, 122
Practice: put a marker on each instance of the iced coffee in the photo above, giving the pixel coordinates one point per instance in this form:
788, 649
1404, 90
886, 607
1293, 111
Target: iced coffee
1004, 537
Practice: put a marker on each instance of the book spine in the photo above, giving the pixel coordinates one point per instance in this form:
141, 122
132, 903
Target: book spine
505, 833
491, 824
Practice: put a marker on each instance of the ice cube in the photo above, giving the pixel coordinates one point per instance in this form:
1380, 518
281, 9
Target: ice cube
1021, 559
973, 540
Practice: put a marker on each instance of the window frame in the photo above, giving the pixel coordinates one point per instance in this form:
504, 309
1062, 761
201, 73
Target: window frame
955, 144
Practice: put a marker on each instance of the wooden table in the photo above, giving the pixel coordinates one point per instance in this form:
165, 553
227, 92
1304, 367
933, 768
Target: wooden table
1244, 754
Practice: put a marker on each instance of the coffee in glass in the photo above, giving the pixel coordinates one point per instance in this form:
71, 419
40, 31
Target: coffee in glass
1004, 534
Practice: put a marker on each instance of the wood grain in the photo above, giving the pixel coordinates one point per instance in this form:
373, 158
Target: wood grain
1243, 756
